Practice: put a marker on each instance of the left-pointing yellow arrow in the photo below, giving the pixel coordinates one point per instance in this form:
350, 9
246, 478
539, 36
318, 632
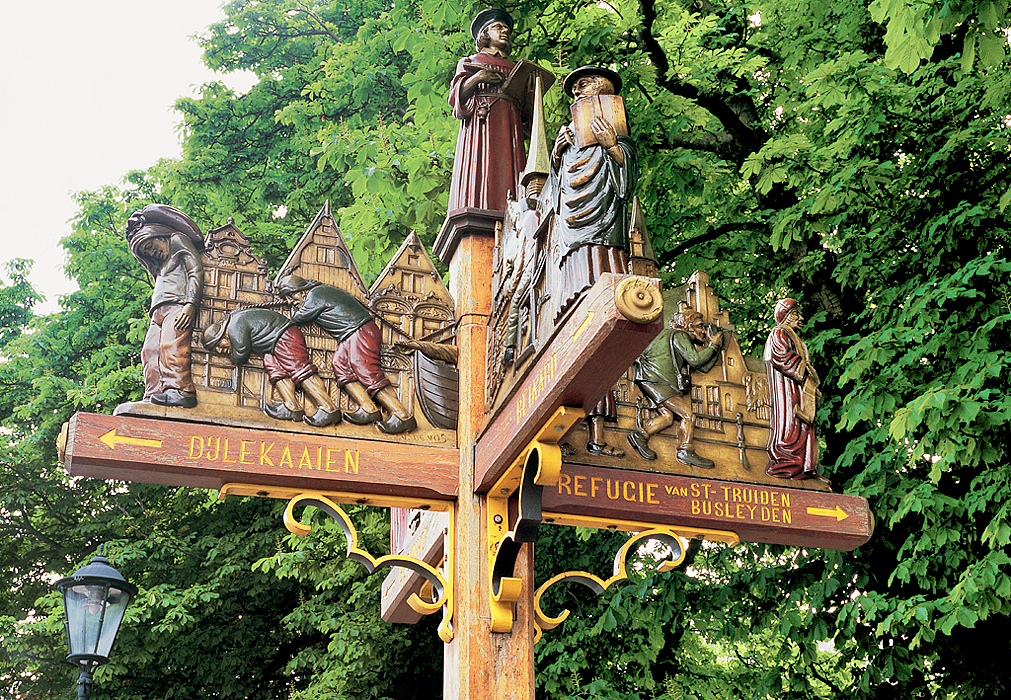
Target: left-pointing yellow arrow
838, 513
110, 439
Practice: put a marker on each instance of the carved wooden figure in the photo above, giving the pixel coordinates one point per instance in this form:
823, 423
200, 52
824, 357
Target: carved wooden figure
593, 186
355, 362
793, 388
168, 244
265, 332
489, 149
663, 374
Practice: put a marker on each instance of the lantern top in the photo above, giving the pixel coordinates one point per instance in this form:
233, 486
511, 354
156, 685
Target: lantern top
97, 571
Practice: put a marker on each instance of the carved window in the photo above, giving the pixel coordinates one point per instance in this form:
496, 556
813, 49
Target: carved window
707, 407
414, 284
226, 285
714, 407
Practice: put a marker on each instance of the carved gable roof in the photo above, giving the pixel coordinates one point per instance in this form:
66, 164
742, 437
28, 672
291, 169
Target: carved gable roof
411, 274
322, 255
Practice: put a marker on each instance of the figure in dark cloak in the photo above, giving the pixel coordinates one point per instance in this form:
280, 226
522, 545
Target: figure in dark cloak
247, 332
793, 390
356, 361
592, 194
489, 149
168, 243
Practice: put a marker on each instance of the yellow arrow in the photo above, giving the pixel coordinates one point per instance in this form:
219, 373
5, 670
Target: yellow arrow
838, 513
110, 439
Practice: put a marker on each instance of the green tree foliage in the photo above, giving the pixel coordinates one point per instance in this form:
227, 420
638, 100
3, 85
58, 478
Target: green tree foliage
853, 155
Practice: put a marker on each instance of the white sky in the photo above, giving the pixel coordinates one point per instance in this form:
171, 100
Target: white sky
87, 88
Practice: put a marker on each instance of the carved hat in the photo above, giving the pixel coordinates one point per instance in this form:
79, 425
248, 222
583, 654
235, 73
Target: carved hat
292, 284
571, 78
783, 309
213, 334
486, 17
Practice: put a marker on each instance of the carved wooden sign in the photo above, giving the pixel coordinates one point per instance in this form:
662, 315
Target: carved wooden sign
314, 345
626, 500
577, 367
179, 453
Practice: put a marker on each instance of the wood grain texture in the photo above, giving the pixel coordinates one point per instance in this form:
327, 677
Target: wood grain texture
592, 349
427, 543
756, 513
178, 453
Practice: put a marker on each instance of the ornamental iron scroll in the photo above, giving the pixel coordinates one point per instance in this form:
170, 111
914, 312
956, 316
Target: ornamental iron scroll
443, 590
539, 465
665, 536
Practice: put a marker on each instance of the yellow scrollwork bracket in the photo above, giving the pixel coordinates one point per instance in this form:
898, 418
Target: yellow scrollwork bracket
440, 585
671, 538
538, 465
440, 582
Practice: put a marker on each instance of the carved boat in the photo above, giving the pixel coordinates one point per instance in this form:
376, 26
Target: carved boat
438, 390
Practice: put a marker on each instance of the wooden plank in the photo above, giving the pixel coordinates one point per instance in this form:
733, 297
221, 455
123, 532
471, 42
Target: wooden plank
208, 456
426, 542
756, 513
593, 348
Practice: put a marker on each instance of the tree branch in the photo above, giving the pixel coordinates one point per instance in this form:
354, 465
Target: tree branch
715, 232
745, 139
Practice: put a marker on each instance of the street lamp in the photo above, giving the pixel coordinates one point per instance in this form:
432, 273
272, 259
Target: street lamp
94, 600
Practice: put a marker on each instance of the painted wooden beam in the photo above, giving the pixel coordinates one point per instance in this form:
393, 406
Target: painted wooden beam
600, 497
594, 346
179, 453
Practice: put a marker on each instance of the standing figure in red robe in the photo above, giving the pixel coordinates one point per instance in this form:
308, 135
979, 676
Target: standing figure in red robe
489, 149
793, 389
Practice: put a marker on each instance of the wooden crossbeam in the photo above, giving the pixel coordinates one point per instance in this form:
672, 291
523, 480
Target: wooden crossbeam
179, 453
591, 350
627, 500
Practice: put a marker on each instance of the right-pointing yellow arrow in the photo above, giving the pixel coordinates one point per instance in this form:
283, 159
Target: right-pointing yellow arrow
838, 513
110, 439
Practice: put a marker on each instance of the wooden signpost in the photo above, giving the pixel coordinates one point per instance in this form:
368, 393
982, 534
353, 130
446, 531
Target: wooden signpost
480, 491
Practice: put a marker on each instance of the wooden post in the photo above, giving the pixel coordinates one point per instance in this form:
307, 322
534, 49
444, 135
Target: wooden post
478, 663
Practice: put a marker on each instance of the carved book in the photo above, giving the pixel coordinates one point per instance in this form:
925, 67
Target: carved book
610, 107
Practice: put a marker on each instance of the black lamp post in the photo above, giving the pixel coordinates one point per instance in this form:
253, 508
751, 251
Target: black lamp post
94, 600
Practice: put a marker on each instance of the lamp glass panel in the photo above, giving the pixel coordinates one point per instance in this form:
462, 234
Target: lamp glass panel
85, 604
115, 608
